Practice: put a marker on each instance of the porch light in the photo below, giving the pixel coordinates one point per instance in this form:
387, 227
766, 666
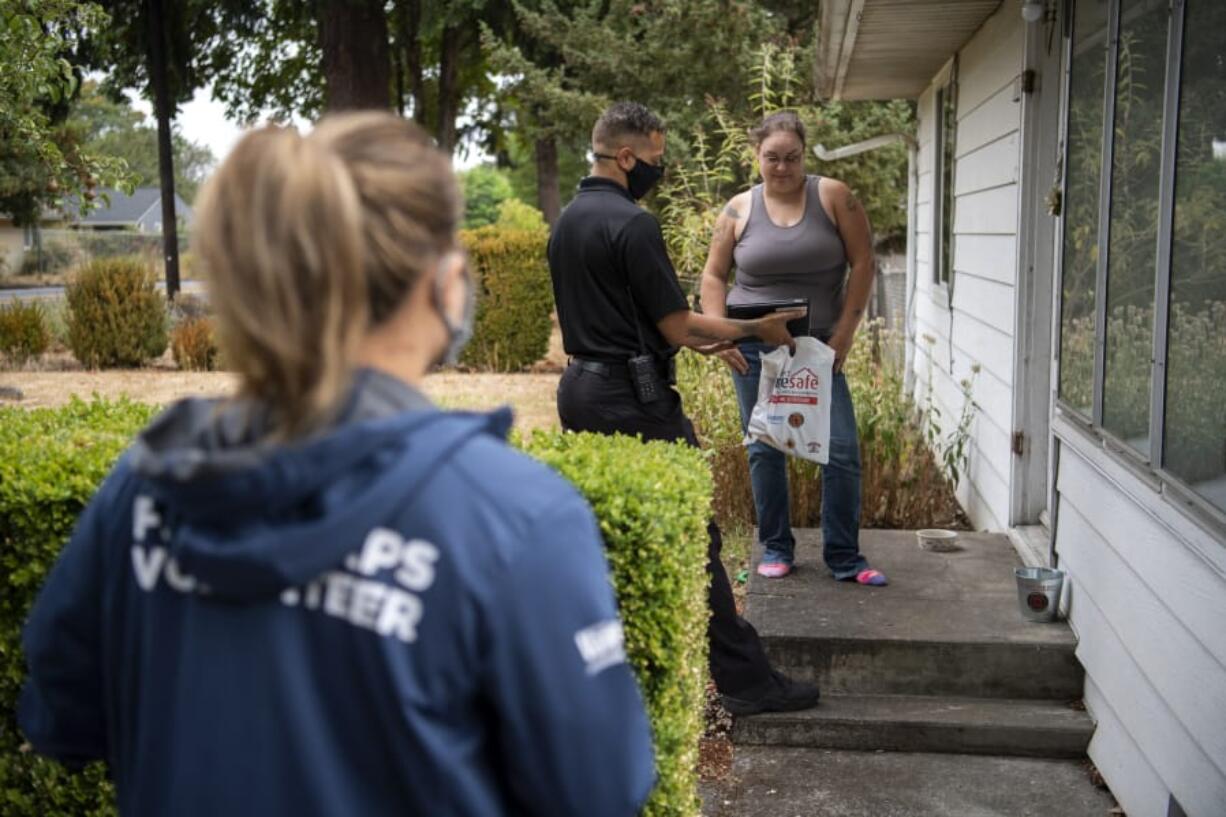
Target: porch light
1032, 10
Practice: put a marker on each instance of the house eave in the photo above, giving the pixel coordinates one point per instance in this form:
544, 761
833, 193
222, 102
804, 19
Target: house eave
891, 49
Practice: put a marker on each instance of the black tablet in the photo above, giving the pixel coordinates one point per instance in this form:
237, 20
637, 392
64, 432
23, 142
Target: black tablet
797, 328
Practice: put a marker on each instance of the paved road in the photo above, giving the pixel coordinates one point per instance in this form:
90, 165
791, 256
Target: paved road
43, 293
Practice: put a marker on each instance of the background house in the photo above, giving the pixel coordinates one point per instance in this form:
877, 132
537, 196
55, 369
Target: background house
121, 224
140, 211
1067, 238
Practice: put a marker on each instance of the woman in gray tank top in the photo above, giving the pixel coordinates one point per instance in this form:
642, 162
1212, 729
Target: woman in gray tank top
794, 236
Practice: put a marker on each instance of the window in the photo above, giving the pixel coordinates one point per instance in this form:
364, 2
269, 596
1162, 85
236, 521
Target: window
1140, 76
1083, 162
943, 225
1195, 388
1143, 289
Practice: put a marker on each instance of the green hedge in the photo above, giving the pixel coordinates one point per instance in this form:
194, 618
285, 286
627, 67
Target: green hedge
652, 501
514, 298
51, 462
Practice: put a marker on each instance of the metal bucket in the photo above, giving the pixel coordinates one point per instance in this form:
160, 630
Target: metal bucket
1038, 592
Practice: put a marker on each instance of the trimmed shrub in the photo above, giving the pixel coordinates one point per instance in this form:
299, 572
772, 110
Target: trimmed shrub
652, 501
514, 298
116, 315
514, 214
484, 188
24, 332
194, 344
51, 462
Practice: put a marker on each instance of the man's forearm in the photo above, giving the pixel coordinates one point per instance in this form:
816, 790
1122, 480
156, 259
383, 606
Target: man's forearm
687, 328
704, 329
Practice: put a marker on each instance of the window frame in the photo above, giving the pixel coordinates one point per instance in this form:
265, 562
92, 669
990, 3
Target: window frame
946, 94
1148, 465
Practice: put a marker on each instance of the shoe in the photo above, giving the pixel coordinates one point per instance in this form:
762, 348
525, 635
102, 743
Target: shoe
774, 570
780, 694
872, 578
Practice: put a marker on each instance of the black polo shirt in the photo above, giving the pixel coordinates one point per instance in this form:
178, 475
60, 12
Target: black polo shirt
602, 243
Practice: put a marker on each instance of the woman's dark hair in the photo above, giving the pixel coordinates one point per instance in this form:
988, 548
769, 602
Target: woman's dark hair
778, 121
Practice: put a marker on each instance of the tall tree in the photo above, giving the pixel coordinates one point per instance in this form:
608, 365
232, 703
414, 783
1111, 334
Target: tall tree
353, 39
118, 130
293, 58
159, 48
550, 105
41, 162
567, 60
407, 58
156, 33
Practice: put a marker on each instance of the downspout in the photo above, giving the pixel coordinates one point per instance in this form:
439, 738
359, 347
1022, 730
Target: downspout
876, 142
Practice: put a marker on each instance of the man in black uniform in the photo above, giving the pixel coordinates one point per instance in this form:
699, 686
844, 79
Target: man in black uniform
623, 314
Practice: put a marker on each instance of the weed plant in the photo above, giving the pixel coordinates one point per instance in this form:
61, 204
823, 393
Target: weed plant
24, 331
193, 343
912, 456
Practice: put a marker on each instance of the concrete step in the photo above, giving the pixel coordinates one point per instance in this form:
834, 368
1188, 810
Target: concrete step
902, 723
788, 782
948, 623
892, 666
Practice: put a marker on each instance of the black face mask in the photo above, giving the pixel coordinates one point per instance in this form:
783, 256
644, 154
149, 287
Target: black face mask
640, 178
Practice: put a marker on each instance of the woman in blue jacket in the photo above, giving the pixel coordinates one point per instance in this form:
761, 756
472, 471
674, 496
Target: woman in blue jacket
323, 596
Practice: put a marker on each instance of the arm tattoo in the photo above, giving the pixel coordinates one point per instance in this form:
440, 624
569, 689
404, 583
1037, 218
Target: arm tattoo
851, 203
731, 212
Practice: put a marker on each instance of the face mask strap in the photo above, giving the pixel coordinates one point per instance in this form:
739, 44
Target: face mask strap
458, 334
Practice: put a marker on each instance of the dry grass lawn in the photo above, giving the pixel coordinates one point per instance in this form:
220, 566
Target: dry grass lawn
530, 395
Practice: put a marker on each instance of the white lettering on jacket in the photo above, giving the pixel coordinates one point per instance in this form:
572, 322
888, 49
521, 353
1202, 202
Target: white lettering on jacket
602, 645
366, 600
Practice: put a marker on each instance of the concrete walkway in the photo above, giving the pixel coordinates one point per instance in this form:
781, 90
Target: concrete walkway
939, 699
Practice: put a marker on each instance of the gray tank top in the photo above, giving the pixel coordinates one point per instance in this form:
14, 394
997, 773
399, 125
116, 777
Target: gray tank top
806, 260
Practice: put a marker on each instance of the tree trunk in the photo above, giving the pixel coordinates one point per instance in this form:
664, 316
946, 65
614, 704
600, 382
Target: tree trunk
398, 74
166, 170
356, 63
448, 86
410, 37
548, 192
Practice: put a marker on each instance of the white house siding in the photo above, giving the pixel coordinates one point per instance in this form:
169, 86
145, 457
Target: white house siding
978, 330
1147, 600
1147, 582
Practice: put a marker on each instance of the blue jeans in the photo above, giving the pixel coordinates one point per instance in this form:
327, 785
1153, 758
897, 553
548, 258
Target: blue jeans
840, 479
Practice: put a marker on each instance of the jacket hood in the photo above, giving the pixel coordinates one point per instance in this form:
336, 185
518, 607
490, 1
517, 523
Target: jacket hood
248, 519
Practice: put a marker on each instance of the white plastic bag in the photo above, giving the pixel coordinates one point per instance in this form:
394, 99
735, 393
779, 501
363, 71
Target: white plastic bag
793, 408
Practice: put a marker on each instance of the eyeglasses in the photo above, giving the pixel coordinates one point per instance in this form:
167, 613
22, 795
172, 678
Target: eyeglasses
790, 159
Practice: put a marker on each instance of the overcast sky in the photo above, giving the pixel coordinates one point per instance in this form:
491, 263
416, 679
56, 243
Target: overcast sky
203, 120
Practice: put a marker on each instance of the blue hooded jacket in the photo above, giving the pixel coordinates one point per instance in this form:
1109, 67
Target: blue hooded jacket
399, 616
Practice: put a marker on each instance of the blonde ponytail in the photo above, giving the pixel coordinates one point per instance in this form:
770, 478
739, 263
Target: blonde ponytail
310, 242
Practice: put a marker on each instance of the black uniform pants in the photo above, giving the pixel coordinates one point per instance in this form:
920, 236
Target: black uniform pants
606, 404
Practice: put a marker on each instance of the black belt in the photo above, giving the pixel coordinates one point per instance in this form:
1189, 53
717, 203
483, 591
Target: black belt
601, 368
606, 369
